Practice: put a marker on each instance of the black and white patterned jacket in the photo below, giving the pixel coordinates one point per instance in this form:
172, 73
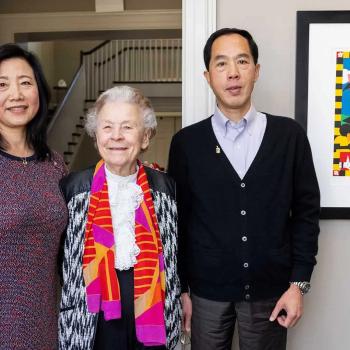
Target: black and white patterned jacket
77, 326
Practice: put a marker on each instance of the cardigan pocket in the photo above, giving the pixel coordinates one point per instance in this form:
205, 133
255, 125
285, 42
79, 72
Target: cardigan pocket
280, 262
212, 265
284, 251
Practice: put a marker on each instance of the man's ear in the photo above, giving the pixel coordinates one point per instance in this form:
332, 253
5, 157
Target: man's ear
257, 72
207, 76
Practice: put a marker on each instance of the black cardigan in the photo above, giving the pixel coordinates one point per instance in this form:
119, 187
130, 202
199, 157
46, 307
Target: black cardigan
245, 239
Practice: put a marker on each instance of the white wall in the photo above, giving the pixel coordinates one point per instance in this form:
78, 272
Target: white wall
45, 52
86, 21
67, 57
60, 59
325, 325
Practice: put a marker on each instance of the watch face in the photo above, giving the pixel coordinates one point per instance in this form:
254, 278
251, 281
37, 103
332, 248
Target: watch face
305, 287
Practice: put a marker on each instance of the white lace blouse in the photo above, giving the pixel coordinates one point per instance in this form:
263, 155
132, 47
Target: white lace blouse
125, 196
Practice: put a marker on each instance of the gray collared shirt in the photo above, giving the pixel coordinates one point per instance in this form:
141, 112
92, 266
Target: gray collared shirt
240, 141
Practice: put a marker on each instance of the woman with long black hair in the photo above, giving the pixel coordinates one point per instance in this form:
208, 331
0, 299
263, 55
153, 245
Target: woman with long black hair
33, 213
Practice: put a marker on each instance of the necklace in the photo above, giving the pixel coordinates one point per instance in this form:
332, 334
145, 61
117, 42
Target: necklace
24, 160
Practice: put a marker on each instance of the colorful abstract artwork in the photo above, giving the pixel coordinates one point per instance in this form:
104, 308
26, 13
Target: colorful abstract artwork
341, 155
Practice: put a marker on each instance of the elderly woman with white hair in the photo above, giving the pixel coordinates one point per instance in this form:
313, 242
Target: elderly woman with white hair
120, 284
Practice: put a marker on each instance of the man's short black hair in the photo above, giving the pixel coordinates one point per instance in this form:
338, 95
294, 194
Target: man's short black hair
226, 31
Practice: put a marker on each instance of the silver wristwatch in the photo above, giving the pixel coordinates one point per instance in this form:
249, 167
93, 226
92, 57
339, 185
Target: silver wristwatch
304, 287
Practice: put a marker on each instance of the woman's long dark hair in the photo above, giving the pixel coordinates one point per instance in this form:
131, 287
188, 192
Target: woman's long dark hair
37, 128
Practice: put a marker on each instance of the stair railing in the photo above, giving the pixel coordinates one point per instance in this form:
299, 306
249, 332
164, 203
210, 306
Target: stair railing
66, 125
128, 61
111, 62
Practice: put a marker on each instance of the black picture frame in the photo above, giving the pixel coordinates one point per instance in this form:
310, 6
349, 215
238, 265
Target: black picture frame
304, 19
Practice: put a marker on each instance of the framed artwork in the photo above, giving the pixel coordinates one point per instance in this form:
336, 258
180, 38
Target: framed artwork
322, 102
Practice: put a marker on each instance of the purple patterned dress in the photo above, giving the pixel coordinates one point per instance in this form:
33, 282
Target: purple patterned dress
33, 216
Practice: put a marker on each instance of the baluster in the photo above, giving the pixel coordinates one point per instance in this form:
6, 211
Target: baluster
110, 65
136, 49
140, 60
116, 68
145, 62
87, 60
86, 77
161, 59
103, 51
151, 60
122, 66
91, 75
131, 60
104, 64
155, 53
100, 71
147, 65
167, 61
95, 75
156, 67
177, 61
127, 61
91, 72
105, 67
139, 76
100, 75
171, 69
136, 78
139, 55
180, 60
134, 61
115, 73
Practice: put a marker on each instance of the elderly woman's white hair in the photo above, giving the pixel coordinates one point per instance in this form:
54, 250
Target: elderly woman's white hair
125, 94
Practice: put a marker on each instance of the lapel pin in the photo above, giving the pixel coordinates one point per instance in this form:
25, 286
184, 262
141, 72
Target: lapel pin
217, 149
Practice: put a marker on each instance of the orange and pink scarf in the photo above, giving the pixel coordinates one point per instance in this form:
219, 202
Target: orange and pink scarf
102, 286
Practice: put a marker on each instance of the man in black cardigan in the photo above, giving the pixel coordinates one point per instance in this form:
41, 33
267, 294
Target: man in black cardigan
249, 204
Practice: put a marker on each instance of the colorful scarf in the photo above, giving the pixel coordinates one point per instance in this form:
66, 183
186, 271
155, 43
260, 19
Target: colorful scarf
102, 286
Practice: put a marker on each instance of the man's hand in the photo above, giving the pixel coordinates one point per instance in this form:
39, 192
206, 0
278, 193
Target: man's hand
292, 303
186, 312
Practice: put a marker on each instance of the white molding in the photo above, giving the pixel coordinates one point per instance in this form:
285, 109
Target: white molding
168, 114
198, 22
87, 21
109, 5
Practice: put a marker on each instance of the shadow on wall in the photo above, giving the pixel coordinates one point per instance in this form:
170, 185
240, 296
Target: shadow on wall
87, 155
